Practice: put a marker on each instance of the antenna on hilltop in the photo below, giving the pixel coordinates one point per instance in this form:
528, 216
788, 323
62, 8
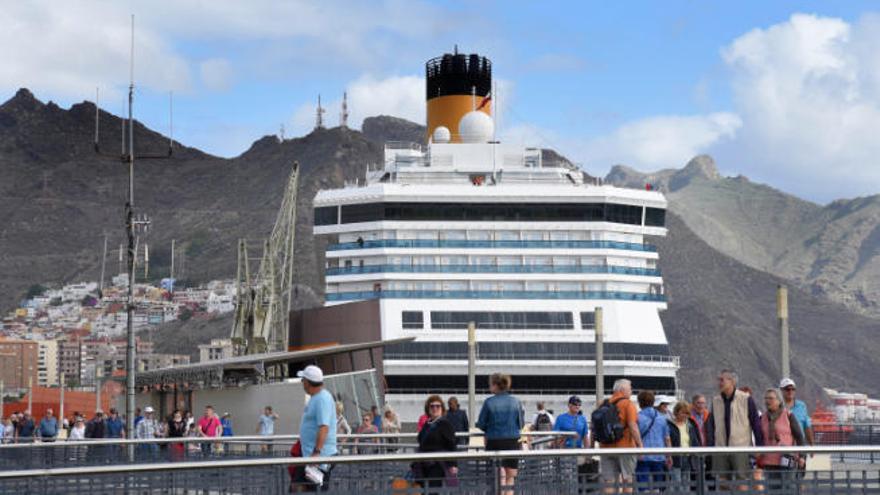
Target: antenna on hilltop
343, 117
281, 133
319, 115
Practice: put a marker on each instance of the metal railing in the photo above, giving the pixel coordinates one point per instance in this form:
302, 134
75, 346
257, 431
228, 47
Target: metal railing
389, 268
512, 356
556, 471
497, 244
493, 294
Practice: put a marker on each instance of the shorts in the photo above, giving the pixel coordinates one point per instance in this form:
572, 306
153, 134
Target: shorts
732, 466
505, 444
612, 466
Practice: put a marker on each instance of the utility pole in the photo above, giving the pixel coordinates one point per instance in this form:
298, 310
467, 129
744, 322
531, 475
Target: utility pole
171, 275
103, 266
782, 317
472, 373
133, 225
600, 358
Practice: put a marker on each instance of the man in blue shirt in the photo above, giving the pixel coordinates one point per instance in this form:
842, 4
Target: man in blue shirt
226, 422
318, 428
573, 421
115, 426
48, 427
797, 408
655, 434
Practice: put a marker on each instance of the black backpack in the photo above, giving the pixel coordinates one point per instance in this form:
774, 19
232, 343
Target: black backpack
542, 422
606, 422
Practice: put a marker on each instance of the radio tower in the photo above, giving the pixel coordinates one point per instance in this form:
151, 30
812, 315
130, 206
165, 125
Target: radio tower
319, 115
343, 117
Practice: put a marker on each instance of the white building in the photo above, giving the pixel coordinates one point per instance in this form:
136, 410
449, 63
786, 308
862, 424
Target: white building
479, 231
47, 364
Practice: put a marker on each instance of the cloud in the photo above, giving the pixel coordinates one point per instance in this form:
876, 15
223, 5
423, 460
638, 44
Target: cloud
808, 92
660, 141
400, 96
69, 48
216, 74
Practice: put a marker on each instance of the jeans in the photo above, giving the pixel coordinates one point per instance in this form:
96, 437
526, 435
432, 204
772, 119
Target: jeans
650, 474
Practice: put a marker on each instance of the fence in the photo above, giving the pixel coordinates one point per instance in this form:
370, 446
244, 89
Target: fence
540, 471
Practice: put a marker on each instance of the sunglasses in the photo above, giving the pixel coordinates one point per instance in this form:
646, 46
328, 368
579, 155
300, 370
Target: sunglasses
436, 405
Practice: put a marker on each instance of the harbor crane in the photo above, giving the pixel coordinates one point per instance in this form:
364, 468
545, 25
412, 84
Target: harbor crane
264, 298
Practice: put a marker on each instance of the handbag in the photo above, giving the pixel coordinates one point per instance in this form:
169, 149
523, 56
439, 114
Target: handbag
451, 477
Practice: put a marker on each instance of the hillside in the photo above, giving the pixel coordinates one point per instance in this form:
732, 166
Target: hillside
722, 314
831, 250
57, 197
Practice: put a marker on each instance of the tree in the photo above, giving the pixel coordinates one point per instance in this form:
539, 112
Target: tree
35, 290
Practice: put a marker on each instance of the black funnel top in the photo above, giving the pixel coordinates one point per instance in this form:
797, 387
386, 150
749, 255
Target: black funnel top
458, 74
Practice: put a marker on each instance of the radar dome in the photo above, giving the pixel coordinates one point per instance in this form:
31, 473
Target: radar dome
476, 127
441, 134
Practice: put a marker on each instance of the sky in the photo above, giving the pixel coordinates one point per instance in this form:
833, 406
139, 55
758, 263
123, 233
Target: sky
785, 93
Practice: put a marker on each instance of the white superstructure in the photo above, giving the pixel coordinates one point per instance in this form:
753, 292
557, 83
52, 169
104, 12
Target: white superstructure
487, 232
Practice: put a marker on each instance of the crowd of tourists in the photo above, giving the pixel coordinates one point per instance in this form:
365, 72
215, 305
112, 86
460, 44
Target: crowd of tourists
731, 417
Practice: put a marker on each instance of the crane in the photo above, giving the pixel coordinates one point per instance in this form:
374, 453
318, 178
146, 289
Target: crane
264, 299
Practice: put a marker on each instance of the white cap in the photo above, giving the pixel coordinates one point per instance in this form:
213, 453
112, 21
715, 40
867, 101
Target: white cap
787, 382
662, 400
311, 373
148, 409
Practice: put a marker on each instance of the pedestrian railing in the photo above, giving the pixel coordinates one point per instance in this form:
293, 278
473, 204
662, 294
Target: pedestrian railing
547, 471
192, 449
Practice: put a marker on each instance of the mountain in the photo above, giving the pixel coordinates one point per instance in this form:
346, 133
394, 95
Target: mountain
722, 313
57, 197
831, 250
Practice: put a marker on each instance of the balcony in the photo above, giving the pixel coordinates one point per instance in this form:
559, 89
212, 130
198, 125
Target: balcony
477, 294
499, 244
366, 269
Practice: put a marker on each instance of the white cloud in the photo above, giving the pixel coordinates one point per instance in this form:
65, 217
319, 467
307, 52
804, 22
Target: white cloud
661, 141
808, 91
216, 74
399, 96
69, 48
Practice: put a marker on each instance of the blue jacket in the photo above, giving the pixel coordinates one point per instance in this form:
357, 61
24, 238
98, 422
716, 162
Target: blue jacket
501, 417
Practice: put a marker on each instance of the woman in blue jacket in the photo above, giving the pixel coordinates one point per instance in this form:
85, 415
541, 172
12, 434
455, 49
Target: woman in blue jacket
501, 419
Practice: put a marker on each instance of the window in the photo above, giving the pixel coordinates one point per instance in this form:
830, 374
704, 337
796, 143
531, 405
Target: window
588, 320
655, 217
413, 320
468, 212
326, 215
501, 320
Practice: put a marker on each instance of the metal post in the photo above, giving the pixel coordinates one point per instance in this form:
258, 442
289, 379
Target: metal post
97, 387
61, 401
30, 394
600, 357
782, 316
472, 373
2, 387
129, 227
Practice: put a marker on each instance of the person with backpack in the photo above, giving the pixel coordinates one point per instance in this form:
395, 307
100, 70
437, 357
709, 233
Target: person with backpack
654, 430
543, 419
615, 426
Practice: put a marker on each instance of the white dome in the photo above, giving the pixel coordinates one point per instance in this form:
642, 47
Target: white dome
441, 134
476, 127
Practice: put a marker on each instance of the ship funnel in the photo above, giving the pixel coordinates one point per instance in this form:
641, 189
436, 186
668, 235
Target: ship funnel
456, 84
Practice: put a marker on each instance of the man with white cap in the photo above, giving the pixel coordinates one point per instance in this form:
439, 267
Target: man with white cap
318, 428
797, 407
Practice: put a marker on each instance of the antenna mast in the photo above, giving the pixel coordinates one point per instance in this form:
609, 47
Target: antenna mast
343, 118
319, 115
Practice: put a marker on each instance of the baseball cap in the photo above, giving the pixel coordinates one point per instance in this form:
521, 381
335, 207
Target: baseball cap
662, 400
787, 382
148, 409
311, 373
574, 399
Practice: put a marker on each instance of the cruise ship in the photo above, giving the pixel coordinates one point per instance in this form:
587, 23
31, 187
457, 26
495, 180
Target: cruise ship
470, 229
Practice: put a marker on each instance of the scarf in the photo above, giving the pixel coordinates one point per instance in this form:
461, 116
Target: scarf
772, 417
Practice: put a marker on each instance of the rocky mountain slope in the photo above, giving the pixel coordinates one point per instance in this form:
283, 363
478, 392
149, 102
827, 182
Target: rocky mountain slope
831, 250
57, 198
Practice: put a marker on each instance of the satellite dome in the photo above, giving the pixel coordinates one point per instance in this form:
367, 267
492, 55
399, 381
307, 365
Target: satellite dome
441, 134
476, 127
